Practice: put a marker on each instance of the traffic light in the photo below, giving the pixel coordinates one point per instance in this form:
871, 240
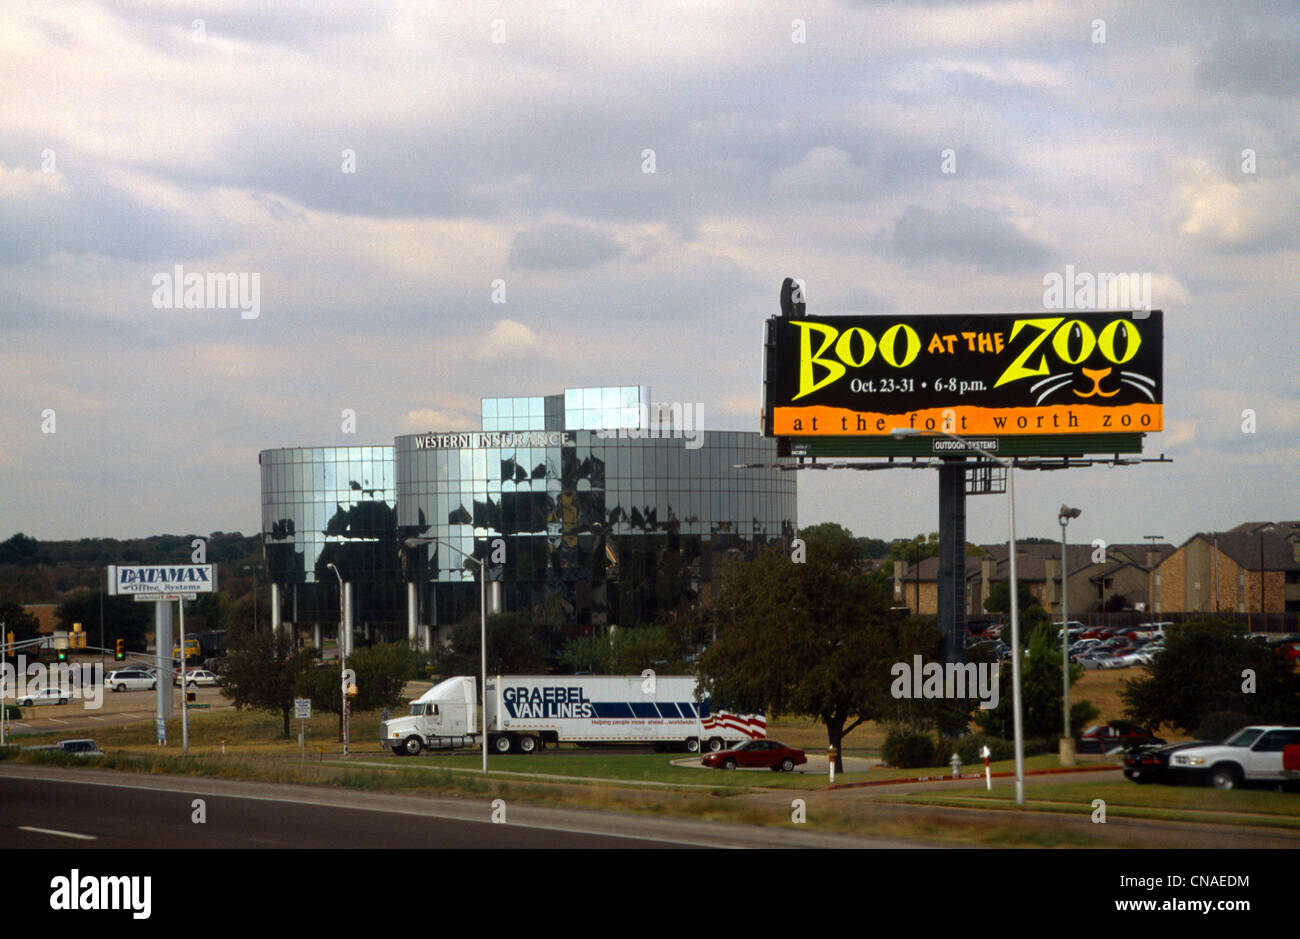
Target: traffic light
121, 650
63, 655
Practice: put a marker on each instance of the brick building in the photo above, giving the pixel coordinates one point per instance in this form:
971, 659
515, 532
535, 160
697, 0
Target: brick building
1252, 568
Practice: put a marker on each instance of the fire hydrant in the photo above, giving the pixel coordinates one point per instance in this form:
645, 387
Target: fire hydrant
956, 766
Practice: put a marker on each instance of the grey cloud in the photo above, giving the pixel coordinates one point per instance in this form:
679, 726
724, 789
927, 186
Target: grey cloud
964, 233
561, 246
1252, 64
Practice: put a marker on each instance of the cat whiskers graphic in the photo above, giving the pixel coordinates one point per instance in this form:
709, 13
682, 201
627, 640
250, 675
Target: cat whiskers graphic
1054, 383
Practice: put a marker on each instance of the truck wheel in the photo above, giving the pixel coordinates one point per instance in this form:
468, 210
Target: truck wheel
716, 744
1226, 776
693, 745
412, 746
787, 765
501, 744
527, 744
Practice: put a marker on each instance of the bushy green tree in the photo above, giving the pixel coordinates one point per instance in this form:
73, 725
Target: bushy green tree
14, 619
514, 645
1203, 669
812, 638
1042, 692
263, 672
628, 651
381, 673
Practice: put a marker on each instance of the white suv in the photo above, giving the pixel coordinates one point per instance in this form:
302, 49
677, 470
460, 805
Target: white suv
1252, 754
131, 679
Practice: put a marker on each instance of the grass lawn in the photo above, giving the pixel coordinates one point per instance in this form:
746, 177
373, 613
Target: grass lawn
1126, 799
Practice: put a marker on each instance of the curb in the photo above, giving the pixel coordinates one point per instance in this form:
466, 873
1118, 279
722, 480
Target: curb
999, 775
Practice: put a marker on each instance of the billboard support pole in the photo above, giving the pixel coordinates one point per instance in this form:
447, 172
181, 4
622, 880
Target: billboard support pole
951, 598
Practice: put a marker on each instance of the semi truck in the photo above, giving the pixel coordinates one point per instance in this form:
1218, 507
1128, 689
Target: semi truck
527, 712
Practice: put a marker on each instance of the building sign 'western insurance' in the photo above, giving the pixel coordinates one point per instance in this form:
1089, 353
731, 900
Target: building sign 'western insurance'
1030, 373
479, 439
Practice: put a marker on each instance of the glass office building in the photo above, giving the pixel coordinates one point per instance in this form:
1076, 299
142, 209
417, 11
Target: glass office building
592, 507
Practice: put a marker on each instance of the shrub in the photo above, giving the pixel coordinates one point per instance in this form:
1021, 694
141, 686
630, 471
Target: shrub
908, 750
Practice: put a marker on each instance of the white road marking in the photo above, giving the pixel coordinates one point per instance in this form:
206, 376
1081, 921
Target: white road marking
57, 721
93, 717
61, 834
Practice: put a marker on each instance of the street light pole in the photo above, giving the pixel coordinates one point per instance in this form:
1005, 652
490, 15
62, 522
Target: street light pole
343, 659
1019, 737
1066, 513
415, 542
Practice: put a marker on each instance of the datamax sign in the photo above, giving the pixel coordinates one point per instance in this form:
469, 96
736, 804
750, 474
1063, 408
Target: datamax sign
1018, 374
160, 579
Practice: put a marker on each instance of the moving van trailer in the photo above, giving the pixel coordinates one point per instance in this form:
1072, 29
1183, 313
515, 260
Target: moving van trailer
525, 712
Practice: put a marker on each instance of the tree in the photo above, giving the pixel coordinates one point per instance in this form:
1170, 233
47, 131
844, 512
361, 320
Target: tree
1203, 669
628, 652
1031, 615
514, 645
836, 538
381, 673
14, 619
1041, 691
814, 638
263, 672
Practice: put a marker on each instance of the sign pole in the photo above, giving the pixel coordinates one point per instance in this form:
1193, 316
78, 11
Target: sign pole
185, 711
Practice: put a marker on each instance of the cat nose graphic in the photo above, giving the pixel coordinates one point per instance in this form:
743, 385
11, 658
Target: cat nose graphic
1096, 374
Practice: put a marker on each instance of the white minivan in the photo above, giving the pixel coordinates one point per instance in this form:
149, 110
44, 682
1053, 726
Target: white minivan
131, 679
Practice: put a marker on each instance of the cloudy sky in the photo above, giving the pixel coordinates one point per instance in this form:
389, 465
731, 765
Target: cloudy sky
378, 165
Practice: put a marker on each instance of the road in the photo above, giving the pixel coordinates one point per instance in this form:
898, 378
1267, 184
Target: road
57, 808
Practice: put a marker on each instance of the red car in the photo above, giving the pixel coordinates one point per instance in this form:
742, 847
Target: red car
769, 753
1102, 738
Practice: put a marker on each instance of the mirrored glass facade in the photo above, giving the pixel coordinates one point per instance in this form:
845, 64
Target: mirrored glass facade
595, 527
332, 504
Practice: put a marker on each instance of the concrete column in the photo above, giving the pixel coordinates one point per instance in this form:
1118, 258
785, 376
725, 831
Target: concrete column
275, 609
163, 643
412, 612
952, 560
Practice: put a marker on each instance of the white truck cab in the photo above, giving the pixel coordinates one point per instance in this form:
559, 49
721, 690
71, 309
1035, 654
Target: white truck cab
1252, 754
443, 717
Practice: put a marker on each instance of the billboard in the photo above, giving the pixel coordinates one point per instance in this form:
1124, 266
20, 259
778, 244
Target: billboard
154, 581
1005, 375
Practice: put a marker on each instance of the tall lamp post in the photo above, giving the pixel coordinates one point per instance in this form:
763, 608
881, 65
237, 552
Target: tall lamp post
899, 433
343, 657
482, 613
1063, 516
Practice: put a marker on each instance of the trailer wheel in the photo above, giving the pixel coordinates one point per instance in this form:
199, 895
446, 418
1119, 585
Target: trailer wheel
502, 744
527, 744
716, 744
692, 744
412, 746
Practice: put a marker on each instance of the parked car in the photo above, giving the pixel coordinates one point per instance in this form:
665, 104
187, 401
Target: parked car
200, 676
81, 747
770, 753
1117, 735
1149, 762
43, 696
131, 679
1252, 754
